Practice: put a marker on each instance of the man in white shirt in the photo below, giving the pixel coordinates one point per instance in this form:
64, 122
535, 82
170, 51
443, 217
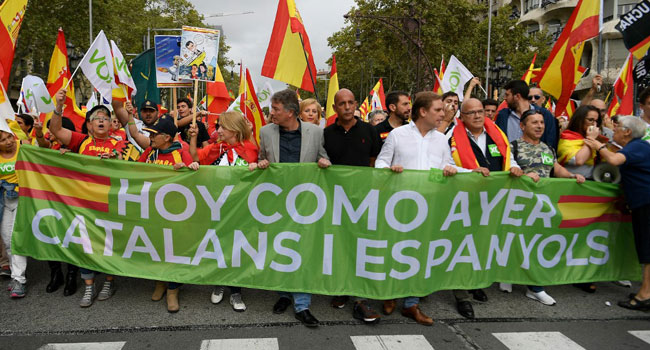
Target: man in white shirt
418, 146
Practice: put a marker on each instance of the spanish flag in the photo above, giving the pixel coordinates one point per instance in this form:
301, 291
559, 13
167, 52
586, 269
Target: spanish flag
570, 143
461, 148
581, 211
529, 72
288, 57
11, 16
250, 106
58, 78
623, 99
218, 99
331, 92
437, 84
558, 75
55, 184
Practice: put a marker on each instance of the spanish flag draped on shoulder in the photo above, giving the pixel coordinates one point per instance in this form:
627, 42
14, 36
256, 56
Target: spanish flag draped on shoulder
330, 114
558, 74
58, 77
289, 50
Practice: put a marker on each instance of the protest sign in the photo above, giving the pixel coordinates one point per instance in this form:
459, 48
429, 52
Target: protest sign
168, 61
342, 230
199, 53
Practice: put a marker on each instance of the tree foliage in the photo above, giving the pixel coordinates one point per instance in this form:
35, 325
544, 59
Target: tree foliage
125, 21
448, 27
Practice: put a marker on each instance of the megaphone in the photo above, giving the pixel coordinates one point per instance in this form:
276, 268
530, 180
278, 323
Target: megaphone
605, 172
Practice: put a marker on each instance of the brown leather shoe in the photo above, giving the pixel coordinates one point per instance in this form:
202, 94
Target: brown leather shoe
415, 313
172, 300
159, 291
389, 306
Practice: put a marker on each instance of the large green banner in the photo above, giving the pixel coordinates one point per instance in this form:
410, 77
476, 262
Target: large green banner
342, 230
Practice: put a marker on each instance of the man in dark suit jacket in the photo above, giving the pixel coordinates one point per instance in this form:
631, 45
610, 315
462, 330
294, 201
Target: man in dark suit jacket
517, 100
288, 140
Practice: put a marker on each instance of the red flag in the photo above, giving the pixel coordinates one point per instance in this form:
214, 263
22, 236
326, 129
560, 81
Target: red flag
623, 100
250, 106
218, 99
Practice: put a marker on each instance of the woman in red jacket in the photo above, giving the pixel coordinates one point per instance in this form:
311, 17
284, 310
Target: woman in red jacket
234, 147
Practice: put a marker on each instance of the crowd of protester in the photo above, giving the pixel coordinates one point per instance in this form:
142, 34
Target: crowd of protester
425, 132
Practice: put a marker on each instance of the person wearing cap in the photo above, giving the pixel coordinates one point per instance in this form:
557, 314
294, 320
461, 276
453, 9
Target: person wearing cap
97, 143
125, 113
164, 150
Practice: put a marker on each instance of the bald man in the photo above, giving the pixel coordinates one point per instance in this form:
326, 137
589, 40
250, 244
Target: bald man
351, 141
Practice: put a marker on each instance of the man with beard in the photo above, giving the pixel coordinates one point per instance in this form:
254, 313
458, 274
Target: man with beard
399, 112
508, 119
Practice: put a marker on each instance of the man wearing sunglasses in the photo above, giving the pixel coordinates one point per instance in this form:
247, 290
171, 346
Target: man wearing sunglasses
536, 96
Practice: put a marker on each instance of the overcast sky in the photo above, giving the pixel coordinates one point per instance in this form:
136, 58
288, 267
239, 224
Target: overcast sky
248, 35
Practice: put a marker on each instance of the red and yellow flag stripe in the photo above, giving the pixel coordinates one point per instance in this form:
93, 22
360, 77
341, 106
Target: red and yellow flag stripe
580, 211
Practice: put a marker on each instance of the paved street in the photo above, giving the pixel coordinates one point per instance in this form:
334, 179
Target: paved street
130, 320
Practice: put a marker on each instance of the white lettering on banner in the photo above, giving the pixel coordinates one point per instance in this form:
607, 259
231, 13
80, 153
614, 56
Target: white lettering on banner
321, 205
472, 258
83, 238
215, 206
241, 243
36, 222
142, 199
570, 261
603, 248
108, 226
216, 253
462, 199
487, 206
169, 249
414, 264
501, 254
369, 204
328, 245
295, 257
132, 246
537, 212
526, 249
511, 206
363, 259
420, 217
556, 258
431, 258
190, 202
252, 202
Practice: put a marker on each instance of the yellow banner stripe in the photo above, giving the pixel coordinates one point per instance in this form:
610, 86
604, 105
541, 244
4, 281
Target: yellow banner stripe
573, 211
64, 186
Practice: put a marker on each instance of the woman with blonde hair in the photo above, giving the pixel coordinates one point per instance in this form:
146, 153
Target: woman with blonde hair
234, 147
310, 111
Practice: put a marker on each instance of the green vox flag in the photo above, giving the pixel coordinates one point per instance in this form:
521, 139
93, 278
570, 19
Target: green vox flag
143, 71
342, 230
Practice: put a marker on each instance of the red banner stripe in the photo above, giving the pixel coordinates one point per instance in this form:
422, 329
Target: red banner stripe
587, 221
586, 199
73, 201
62, 172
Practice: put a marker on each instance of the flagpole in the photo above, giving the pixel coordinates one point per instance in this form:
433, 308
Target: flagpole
311, 76
487, 62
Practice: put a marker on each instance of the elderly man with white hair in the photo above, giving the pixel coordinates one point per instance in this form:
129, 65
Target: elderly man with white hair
634, 163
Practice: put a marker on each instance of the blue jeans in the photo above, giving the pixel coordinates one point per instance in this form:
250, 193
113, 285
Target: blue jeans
6, 189
536, 289
301, 301
87, 274
410, 301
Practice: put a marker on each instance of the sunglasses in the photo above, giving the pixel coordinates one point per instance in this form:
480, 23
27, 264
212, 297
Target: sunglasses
534, 97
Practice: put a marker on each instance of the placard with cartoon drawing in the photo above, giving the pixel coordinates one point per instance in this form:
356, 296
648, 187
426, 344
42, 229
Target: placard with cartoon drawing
199, 53
168, 60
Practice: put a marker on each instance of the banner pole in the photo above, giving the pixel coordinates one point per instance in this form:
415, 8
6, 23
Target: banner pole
174, 98
196, 92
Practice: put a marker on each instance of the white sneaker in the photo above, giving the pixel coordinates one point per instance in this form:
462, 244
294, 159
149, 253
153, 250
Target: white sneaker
623, 283
505, 287
542, 297
217, 295
237, 303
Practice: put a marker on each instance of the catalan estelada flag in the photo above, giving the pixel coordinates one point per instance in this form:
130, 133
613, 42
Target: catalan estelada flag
11, 17
58, 78
55, 184
580, 211
623, 99
331, 92
364, 109
250, 106
288, 57
558, 74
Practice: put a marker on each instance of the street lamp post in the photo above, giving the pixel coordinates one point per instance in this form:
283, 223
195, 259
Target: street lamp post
500, 74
